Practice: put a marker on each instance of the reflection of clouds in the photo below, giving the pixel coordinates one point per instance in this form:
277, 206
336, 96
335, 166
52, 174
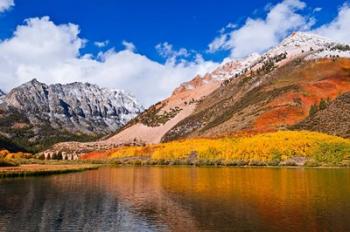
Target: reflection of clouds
178, 199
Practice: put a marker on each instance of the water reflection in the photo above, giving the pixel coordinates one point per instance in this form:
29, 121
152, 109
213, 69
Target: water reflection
179, 199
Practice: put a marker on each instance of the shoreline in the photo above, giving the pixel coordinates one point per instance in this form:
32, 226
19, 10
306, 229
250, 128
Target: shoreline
28, 170
44, 169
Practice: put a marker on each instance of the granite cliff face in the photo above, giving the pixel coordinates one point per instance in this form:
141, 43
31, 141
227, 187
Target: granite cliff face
40, 112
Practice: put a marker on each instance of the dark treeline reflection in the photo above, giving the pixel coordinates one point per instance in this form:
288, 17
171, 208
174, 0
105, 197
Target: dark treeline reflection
179, 199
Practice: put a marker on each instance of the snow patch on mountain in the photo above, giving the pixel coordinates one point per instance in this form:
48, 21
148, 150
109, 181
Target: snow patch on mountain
297, 45
234, 67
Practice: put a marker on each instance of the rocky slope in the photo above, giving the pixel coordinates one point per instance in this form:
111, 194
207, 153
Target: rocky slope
261, 93
269, 102
40, 113
331, 118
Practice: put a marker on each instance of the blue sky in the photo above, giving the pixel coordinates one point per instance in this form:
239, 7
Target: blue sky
153, 45
183, 23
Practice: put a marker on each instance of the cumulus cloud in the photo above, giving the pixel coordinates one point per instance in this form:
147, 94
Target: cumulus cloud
257, 35
339, 28
6, 4
101, 44
129, 46
52, 54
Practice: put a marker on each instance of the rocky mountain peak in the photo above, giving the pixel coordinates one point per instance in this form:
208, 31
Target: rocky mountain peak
76, 107
300, 38
310, 46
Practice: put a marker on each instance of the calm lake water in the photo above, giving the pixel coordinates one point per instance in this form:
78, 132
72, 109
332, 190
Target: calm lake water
179, 199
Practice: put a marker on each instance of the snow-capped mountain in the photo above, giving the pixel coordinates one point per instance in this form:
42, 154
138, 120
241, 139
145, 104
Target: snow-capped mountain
76, 107
299, 44
38, 115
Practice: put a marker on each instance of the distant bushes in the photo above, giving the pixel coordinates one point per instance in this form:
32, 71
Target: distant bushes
270, 149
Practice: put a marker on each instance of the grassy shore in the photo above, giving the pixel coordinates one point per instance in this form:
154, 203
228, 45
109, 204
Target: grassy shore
44, 169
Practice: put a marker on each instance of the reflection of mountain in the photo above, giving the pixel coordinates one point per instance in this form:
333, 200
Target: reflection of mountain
89, 202
179, 199
53, 208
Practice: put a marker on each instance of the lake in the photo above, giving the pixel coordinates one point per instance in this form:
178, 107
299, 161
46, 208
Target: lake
179, 199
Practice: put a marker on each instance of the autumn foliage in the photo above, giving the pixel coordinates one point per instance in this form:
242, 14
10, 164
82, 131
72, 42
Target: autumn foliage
5, 154
264, 148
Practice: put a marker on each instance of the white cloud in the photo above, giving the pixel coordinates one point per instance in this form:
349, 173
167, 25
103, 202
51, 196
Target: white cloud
101, 44
257, 35
51, 53
129, 46
317, 9
339, 28
6, 4
228, 26
219, 43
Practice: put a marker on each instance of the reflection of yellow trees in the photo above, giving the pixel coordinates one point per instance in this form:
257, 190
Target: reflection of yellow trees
277, 146
290, 197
